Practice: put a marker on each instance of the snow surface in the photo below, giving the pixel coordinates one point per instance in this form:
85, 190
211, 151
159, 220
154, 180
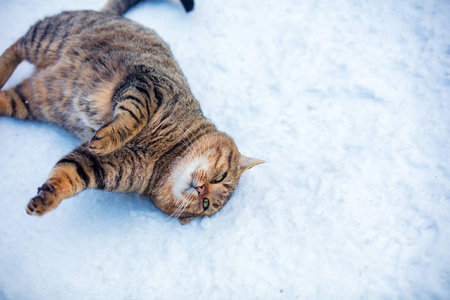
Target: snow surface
346, 100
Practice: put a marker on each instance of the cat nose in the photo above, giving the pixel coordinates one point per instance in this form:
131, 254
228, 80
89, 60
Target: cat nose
200, 190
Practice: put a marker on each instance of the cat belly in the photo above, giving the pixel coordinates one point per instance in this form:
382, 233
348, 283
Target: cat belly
72, 99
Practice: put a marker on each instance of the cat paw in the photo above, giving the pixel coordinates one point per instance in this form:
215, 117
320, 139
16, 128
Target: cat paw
44, 202
104, 141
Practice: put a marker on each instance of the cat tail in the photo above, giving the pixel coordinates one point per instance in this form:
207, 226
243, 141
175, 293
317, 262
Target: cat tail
9, 61
119, 7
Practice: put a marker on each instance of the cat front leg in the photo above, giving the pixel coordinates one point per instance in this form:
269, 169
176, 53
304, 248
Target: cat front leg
125, 170
72, 174
131, 114
127, 123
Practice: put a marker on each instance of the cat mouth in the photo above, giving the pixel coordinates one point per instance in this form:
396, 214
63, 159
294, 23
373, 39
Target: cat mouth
186, 190
191, 190
184, 180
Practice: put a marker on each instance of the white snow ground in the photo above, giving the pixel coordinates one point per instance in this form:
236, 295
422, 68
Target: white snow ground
346, 100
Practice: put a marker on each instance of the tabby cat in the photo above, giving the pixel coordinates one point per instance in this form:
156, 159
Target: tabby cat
116, 85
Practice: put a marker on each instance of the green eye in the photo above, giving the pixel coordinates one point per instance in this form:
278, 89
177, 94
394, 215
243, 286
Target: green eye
205, 203
220, 178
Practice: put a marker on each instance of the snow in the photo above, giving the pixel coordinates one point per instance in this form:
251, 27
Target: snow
348, 103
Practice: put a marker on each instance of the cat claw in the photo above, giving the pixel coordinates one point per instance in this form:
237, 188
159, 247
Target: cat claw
46, 188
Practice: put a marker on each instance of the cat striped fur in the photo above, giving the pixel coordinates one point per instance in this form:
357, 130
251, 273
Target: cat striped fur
116, 85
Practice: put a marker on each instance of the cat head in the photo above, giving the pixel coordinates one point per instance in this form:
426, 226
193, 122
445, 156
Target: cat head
202, 180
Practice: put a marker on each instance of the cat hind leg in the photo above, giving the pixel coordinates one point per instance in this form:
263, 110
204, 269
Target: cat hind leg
14, 102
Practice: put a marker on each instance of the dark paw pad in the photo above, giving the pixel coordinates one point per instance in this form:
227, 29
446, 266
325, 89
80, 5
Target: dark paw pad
43, 202
34, 204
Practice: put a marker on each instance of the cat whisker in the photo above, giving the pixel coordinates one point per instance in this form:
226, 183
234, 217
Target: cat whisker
176, 213
181, 208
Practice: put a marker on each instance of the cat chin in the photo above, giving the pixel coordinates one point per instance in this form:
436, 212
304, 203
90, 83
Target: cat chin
182, 178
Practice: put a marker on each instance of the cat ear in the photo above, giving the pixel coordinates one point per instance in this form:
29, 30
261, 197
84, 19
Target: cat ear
185, 221
246, 163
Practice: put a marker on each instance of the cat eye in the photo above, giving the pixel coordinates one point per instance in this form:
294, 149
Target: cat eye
220, 178
205, 203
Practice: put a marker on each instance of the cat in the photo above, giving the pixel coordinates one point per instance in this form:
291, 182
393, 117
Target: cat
116, 85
